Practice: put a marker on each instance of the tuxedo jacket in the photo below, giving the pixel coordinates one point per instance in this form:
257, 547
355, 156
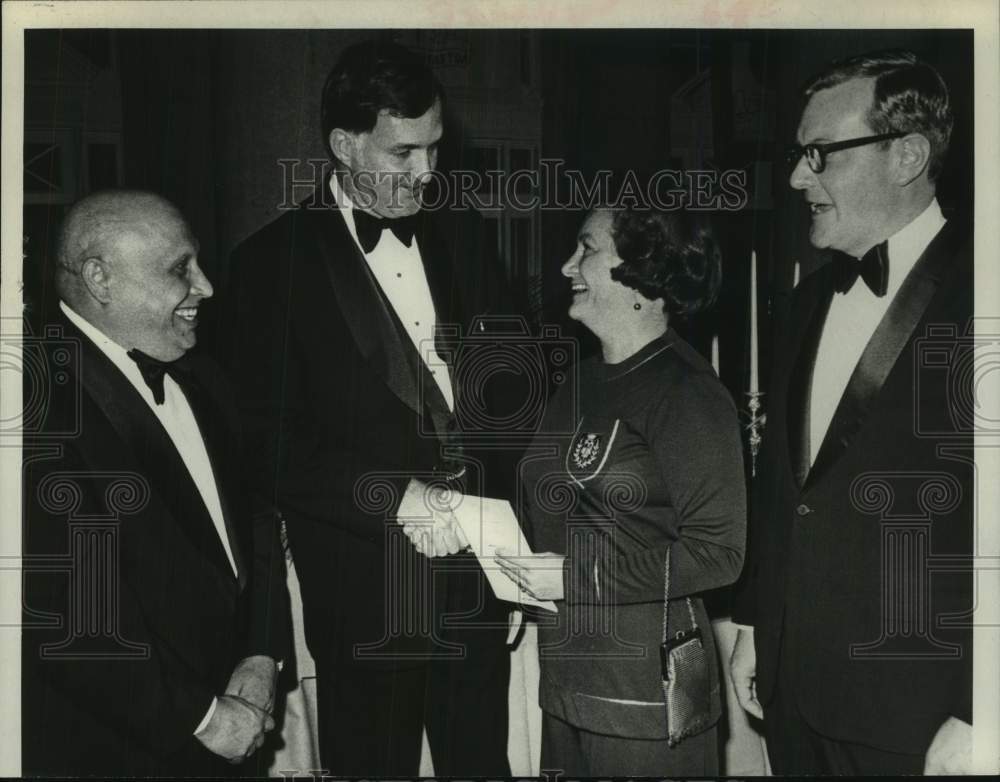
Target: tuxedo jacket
133, 616
855, 582
341, 412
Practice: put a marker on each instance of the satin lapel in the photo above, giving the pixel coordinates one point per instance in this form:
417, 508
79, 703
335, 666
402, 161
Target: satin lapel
364, 307
815, 303
884, 348
150, 447
211, 422
440, 281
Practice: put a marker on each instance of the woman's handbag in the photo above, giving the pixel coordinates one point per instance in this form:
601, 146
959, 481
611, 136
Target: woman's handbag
684, 664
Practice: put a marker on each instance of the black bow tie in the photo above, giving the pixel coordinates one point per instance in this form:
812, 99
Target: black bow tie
873, 268
153, 370
370, 229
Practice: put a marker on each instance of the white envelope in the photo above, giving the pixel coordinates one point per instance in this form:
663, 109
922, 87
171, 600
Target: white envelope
489, 524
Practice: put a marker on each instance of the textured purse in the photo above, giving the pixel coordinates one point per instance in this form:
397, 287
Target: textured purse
687, 688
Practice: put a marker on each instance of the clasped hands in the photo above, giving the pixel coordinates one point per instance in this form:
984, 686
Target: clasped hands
428, 520
242, 716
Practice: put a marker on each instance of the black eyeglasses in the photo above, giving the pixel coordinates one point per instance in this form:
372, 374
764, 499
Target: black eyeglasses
816, 153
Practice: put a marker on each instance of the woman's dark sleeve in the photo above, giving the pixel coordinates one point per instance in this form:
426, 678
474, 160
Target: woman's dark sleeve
694, 434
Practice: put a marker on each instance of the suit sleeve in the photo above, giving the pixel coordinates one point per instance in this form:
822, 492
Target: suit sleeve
292, 468
269, 622
153, 696
270, 626
696, 447
744, 598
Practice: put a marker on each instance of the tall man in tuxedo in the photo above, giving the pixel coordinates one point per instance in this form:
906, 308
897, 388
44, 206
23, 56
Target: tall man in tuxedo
351, 406
154, 609
860, 657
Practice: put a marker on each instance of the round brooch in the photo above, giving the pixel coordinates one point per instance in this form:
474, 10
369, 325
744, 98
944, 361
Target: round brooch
587, 449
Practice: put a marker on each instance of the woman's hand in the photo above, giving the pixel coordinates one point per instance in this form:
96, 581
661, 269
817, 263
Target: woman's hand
539, 575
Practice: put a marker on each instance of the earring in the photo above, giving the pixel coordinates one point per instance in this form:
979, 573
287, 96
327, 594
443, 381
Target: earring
637, 306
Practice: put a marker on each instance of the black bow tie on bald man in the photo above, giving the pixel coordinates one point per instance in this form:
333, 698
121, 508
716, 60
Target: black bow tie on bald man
370, 229
873, 268
153, 370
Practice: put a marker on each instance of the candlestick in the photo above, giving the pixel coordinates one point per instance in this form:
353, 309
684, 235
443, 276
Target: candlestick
757, 420
754, 380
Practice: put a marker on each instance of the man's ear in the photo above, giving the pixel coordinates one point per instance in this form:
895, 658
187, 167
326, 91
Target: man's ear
913, 153
96, 277
342, 144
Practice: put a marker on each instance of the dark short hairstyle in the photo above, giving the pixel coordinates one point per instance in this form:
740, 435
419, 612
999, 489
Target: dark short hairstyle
371, 77
670, 255
910, 97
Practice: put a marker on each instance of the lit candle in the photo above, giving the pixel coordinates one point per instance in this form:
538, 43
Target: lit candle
715, 353
754, 385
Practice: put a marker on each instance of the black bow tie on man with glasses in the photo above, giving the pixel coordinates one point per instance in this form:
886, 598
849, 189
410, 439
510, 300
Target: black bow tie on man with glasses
873, 268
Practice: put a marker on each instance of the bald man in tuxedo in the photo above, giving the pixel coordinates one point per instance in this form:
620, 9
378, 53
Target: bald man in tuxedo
171, 617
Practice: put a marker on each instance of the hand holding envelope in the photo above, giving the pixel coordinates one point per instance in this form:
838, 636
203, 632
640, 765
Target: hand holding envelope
492, 530
540, 575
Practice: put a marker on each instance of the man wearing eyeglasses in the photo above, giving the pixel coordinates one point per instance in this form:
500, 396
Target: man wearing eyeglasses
856, 655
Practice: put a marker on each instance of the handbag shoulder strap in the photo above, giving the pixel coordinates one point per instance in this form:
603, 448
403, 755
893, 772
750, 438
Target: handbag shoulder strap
666, 601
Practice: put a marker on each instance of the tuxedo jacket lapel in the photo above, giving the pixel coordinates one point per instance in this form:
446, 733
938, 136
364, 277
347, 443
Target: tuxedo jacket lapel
884, 348
210, 421
440, 281
150, 447
373, 323
815, 304
366, 311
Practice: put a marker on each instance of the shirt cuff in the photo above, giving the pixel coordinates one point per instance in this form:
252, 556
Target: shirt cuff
208, 717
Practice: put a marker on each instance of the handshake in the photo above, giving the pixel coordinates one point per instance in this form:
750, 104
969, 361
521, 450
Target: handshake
427, 516
242, 717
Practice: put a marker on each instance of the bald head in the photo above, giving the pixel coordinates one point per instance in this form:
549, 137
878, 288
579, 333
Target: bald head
127, 262
94, 227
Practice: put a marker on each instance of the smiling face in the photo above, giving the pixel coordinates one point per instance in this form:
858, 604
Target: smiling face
387, 166
853, 200
155, 285
599, 302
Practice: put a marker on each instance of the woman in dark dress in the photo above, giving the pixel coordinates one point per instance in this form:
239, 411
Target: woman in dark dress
653, 470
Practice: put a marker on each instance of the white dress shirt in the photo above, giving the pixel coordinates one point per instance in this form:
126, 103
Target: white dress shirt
399, 271
853, 318
178, 419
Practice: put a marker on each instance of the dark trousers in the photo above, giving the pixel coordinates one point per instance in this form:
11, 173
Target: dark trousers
371, 717
371, 722
796, 749
579, 753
